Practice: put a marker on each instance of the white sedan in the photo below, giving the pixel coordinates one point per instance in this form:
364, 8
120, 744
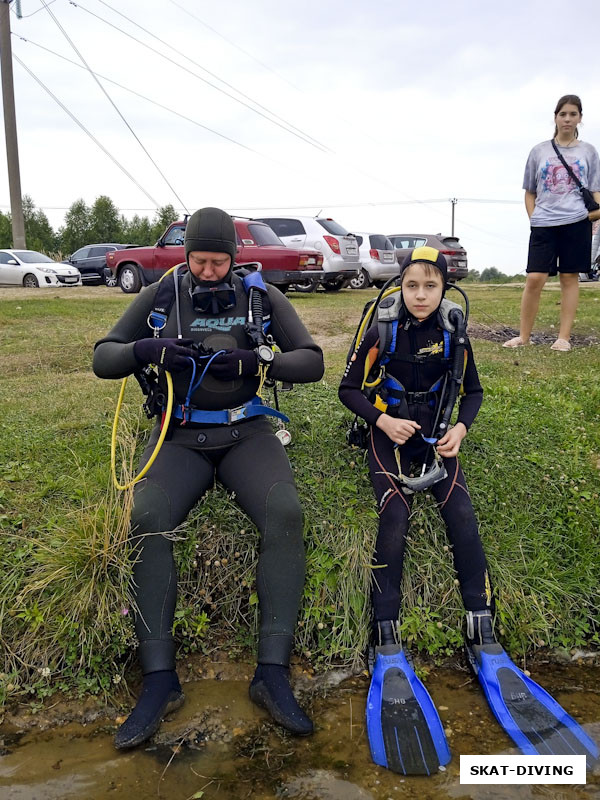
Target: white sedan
30, 269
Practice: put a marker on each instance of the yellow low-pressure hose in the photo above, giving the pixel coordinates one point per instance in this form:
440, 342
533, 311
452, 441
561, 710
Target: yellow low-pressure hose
361, 332
367, 318
113, 440
161, 438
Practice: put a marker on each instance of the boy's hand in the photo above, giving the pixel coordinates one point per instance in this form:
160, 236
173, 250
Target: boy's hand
449, 445
398, 430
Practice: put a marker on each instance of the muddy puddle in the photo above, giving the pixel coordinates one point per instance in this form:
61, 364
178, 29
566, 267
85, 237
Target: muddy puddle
220, 746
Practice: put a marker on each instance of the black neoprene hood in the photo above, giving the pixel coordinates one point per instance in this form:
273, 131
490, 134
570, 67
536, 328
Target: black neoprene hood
212, 230
427, 255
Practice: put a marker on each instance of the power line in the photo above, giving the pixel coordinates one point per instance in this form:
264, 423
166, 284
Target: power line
213, 75
414, 201
111, 101
410, 201
154, 102
303, 137
238, 207
485, 200
488, 233
269, 69
366, 203
86, 131
237, 47
162, 55
33, 13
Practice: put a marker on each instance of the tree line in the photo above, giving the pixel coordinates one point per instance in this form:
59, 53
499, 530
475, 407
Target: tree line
489, 275
100, 222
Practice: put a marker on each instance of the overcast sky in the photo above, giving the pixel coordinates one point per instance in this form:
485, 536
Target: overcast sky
364, 108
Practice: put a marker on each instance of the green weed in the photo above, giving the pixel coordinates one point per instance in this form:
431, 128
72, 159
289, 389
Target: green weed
531, 462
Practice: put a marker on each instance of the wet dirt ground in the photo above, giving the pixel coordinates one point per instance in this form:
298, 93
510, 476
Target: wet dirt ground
220, 746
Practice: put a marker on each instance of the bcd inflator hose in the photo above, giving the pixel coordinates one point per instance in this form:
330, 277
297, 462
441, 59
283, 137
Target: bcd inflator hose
113, 441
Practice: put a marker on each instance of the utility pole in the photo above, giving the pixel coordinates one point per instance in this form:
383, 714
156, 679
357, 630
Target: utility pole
454, 201
10, 128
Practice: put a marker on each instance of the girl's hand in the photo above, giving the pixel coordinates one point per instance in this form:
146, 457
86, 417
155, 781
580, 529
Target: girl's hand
398, 430
594, 215
449, 445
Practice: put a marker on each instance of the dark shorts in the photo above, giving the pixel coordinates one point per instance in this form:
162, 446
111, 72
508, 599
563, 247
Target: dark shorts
560, 248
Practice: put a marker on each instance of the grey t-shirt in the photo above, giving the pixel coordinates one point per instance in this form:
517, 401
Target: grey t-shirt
558, 200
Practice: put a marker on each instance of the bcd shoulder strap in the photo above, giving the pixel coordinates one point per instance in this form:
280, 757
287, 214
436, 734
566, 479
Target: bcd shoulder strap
165, 295
391, 313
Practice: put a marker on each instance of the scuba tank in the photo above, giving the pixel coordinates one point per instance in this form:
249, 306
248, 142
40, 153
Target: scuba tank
385, 391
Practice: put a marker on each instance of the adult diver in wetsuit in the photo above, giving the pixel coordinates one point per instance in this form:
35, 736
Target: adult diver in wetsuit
245, 456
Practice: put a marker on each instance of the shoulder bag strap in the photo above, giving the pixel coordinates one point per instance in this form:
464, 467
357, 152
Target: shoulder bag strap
566, 166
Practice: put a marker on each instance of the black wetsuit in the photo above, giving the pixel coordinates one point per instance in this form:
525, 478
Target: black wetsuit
426, 339
246, 457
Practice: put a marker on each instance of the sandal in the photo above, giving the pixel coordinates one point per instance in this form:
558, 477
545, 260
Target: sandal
562, 345
516, 342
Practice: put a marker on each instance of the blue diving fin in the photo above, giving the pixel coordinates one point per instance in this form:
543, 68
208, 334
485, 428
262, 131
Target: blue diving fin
536, 723
404, 729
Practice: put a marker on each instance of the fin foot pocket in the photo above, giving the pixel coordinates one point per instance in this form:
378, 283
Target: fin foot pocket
404, 729
536, 723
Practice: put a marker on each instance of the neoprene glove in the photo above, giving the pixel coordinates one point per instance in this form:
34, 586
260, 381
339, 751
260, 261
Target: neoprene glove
234, 364
171, 354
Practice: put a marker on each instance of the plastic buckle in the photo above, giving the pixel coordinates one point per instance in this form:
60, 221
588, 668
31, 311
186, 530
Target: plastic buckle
236, 414
154, 320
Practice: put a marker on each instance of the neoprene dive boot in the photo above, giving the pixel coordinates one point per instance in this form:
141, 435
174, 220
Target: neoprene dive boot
536, 723
161, 693
270, 689
404, 729
384, 632
479, 633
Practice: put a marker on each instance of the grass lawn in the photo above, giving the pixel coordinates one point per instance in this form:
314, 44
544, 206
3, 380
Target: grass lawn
532, 462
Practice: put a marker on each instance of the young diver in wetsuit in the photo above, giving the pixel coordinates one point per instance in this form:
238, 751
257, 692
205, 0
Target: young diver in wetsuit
403, 411
398, 432
214, 432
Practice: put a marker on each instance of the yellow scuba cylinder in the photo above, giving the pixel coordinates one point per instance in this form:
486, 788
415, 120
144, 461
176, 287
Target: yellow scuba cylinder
364, 325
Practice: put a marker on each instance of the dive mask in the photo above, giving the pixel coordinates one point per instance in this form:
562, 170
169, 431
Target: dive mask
429, 475
212, 299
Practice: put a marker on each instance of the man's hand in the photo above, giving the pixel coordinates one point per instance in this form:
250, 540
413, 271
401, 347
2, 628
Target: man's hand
171, 354
449, 445
398, 430
234, 364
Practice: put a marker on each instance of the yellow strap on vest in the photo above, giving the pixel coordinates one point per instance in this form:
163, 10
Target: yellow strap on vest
379, 404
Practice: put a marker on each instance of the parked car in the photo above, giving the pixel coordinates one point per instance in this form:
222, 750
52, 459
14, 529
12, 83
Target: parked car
32, 269
455, 253
281, 266
377, 259
593, 274
91, 262
339, 248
